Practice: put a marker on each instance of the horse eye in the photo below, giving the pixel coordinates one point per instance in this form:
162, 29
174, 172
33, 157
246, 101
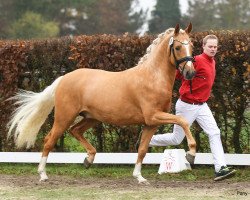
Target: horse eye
177, 48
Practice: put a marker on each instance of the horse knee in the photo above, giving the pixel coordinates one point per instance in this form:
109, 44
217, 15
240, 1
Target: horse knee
192, 145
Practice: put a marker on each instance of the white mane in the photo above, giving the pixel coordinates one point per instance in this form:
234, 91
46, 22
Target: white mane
155, 43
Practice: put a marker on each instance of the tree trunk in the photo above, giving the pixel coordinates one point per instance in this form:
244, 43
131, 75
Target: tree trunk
236, 135
99, 135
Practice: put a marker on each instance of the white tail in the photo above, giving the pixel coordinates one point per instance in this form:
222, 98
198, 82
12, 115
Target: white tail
33, 109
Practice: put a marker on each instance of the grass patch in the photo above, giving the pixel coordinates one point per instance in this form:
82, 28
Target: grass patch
120, 171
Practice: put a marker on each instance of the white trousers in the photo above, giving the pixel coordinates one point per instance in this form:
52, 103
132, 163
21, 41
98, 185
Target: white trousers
203, 115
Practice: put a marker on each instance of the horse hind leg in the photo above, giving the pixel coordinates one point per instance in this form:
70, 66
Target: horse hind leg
146, 136
49, 143
42, 164
77, 131
61, 124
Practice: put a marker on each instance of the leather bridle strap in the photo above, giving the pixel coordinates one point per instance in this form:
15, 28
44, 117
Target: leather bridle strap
181, 60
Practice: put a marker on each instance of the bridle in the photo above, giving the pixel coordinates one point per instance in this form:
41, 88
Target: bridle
181, 60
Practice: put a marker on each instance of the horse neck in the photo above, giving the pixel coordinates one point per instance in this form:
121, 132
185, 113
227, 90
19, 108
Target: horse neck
159, 64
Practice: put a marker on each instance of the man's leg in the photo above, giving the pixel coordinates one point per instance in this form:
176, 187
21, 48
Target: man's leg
189, 112
207, 122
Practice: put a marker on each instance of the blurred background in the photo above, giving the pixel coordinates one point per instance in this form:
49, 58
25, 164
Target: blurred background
26, 19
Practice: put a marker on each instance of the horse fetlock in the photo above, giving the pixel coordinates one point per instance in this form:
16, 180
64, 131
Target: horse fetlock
136, 174
137, 171
192, 145
40, 170
43, 176
91, 157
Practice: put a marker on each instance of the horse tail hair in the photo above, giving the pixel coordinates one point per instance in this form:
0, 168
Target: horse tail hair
32, 111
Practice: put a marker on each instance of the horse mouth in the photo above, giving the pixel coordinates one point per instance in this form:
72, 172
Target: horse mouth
189, 75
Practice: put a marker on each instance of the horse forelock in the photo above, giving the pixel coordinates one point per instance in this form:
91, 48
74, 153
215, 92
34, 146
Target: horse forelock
155, 43
181, 31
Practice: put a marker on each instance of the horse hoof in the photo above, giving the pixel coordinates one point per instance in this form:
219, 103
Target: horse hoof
86, 163
144, 182
190, 158
43, 176
141, 180
43, 179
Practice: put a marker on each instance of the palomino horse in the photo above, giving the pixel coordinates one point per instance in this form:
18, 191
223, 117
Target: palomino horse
139, 95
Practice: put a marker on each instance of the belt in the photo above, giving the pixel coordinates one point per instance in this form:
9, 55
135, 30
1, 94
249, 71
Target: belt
199, 103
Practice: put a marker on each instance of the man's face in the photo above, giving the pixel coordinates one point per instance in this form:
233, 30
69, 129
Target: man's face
210, 48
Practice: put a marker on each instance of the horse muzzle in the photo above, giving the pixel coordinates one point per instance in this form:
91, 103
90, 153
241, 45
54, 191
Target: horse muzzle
189, 74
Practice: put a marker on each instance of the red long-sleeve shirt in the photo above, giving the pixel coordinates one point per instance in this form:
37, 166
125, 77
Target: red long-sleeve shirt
202, 82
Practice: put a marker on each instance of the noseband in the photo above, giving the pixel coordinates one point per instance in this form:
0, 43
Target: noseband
181, 60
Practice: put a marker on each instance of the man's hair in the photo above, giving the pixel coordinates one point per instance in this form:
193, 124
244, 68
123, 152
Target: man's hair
204, 41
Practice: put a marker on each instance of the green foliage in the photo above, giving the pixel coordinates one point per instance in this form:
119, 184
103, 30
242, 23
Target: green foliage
75, 17
234, 14
32, 25
71, 17
166, 14
47, 8
119, 171
109, 17
202, 14
218, 14
72, 145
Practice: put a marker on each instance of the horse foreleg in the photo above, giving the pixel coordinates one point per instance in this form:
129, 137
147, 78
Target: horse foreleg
146, 136
161, 118
77, 130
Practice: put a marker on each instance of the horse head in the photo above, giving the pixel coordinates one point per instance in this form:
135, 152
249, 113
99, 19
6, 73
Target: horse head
181, 51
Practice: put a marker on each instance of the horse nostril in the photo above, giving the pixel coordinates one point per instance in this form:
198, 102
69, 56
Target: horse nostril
194, 73
190, 75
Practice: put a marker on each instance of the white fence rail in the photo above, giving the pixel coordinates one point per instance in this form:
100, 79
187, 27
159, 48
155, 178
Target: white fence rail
114, 158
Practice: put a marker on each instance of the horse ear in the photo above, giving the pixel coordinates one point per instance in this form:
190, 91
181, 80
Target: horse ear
189, 28
177, 29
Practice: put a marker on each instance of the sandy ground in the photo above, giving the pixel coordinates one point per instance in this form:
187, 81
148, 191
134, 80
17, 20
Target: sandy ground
26, 187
